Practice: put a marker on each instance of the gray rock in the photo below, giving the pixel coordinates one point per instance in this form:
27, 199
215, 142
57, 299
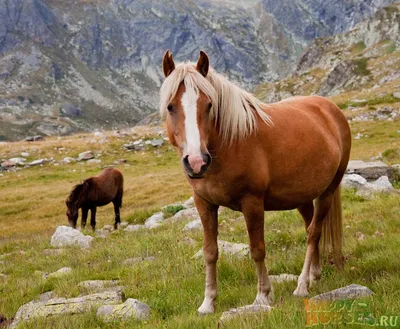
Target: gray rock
190, 213
353, 181
244, 310
154, 221
189, 203
8, 164
53, 252
84, 156
369, 170
282, 278
33, 138
25, 154
37, 162
229, 248
47, 296
134, 228
136, 260
95, 286
157, 142
68, 160
134, 146
94, 161
57, 274
131, 309
193, 225
352, 291
70, 110
62, 306
67, 236
123, 224
18, 161
396, 94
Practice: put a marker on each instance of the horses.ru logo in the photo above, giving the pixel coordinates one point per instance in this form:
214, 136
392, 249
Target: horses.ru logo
345, 312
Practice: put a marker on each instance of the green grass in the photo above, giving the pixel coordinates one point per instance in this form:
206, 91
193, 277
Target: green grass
32, 205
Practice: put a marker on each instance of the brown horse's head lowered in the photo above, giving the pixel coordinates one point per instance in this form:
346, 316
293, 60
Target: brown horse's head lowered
192, 97
74, 202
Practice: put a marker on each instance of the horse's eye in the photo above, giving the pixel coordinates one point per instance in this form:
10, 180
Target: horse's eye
209, 106
170, 108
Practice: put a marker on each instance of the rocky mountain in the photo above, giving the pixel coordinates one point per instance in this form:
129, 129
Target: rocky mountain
364, 61
83, 64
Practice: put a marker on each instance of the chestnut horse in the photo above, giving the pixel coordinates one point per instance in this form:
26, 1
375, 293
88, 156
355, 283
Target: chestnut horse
249, 156
96, 192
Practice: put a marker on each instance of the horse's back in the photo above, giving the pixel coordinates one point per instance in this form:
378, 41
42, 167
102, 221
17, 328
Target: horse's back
109, 185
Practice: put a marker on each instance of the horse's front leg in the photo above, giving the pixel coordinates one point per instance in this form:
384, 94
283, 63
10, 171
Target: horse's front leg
209, 218
85, 211
253, 211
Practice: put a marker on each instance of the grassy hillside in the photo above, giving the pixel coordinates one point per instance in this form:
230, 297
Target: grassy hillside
32, 205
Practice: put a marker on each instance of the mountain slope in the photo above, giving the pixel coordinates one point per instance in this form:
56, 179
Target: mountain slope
79, 64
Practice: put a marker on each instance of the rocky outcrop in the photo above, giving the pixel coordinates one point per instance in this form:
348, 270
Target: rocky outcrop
130, 309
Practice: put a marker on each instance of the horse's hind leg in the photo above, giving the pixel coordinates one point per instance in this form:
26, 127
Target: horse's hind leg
253, 211
117, 206
314, 230
93, 218
307, 212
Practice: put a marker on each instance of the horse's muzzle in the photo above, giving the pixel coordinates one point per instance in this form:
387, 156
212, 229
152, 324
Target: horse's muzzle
196, 165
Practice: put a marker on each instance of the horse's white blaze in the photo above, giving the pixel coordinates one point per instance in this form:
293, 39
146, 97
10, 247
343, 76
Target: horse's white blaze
189, 104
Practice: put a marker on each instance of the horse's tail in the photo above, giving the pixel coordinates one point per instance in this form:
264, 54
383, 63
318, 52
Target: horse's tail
332, 230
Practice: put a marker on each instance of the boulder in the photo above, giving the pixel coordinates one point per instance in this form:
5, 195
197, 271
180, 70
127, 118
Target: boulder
131, 309
18, 161
229, 248
353, 181
8, 164
157, 142
84, 156
193, 225
154, 221
47, 296
67, 236
369, 170
67, 160
70, 110
352, 291
62, 306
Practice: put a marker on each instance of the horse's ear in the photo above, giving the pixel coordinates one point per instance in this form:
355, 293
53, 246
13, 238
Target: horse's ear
203, 64
168, 64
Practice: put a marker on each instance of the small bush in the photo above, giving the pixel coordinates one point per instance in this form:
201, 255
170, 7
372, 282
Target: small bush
360, 66
172, 210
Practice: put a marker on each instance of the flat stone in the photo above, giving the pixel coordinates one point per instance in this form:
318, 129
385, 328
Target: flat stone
67, 160
52, 252
95, 286
193, 225
229, 248
67, 236
62, 306
282, 278
190, 213
84, 156
369, 170
134, 228
94, 161
131, 309
352, 291
154, 220
136, 260
18, 161
245, 310
37, 162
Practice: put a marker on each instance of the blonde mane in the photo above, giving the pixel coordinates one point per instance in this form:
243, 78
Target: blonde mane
232, 107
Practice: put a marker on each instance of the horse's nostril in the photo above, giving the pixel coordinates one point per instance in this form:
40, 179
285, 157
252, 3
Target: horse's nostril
207, 158
186, 160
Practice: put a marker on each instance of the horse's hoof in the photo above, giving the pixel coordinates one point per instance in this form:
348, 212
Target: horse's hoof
263, 299
205, 308
301, 291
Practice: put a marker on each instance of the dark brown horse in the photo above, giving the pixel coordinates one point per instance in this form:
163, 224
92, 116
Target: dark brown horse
96, 192
249, 156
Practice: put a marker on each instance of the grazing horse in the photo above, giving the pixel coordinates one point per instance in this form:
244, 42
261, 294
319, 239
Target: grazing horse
253, 157
95, 192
